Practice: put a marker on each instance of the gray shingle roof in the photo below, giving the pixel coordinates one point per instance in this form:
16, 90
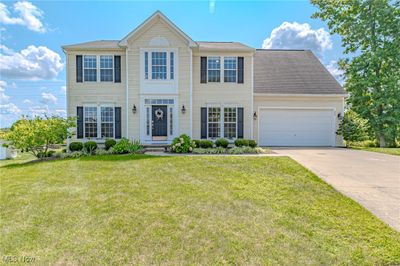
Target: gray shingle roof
292, 72
224, 46
100, 44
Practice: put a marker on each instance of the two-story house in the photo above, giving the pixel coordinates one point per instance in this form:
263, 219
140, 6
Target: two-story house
157, 83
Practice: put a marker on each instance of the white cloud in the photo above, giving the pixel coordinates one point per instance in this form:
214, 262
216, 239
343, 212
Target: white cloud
27, 15
39, 110
3, 97
32, 63
298, 36
27, 101
333, 68
48, 98
9, 109
63, 89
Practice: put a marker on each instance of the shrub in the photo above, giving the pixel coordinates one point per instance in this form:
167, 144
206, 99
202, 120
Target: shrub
90, 147
182, 144
135, 146
218, 150
222, 143
122, 146
353, 127
104, 152
197, 142
44, 154
109, 143
75, 146
74, 154
205, 144
252, 143
241, 142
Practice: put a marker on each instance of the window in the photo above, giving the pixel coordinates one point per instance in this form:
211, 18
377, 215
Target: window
90, 115
214, 122
159, 65
146, 65
107, 122
230, 67
90, 68
214, 67
171, 65
230, 122
106, 68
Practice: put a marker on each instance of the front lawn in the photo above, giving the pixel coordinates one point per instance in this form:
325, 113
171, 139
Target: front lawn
391, 151
139, 209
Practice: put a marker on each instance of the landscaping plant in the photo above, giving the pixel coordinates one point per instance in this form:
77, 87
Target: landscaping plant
76, 146
182, 144
205, 143
109, 143
353, 127
89, 147
222, 143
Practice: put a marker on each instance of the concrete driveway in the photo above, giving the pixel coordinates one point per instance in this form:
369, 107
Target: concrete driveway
371, 179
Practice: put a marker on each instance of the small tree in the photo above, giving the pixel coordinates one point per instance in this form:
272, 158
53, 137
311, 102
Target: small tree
37, 134
353, 128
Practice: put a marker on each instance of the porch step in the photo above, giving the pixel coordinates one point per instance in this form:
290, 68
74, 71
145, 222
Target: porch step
155, 147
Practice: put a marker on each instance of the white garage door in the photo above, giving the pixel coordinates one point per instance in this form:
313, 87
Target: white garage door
296, 127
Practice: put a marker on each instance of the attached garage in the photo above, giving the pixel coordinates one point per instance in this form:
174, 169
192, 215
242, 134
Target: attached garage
296, 127
297, 102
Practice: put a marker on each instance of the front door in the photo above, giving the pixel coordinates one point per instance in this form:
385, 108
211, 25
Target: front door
160, 123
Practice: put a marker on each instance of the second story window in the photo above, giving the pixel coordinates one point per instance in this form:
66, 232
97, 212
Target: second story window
214, 68
230, 68
106, 68
90, 68
158, 65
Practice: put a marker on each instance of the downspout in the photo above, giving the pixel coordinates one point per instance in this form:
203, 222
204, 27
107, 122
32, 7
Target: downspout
191, 92
127, 94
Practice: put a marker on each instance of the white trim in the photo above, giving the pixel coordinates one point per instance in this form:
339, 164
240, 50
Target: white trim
299, 95
191, 92
333, 137
127, 94
124, 41
222, 107
252, 98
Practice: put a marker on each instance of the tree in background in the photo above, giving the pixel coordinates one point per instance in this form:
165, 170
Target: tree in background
353, 128
36, 135
370, 32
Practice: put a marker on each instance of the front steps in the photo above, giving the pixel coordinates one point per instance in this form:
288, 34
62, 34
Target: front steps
155, 147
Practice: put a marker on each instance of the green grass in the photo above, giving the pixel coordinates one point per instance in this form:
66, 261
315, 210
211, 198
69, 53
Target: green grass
20, 159
391, 151
185, 210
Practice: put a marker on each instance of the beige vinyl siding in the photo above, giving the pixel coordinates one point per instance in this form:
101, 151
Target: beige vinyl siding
222, 93
301, 102
142, 40
81, 93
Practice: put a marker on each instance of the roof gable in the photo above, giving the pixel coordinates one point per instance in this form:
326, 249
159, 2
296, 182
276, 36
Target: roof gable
149, 21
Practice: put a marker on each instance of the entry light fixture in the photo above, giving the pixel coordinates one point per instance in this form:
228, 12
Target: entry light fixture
183, 109
134, 109
255, 116
339, 115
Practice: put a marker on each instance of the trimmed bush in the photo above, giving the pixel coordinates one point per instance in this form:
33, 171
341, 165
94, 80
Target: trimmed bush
109, 143
197, 142
122, 146
242, 150
90, 147
241, 142
252, 143
76, 146
218, 150
182, 144
43, 154
205, 144
222, 143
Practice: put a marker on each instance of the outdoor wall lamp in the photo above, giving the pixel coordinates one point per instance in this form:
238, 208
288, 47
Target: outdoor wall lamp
255, 116
183, 109
339, 115
134, 109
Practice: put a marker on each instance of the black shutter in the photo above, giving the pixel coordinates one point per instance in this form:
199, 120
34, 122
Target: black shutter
203, 119
240, 123
117, 68
203, 70
79, 69
117, 122
240, 69
79, 123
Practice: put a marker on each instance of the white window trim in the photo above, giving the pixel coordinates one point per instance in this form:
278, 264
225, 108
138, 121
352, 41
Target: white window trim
222, 69
150, 65
98, 120
236, 76
222, 116
84, 69
112, 69
98, 75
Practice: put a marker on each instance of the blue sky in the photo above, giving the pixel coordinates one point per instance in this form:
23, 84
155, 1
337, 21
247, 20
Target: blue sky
32, 64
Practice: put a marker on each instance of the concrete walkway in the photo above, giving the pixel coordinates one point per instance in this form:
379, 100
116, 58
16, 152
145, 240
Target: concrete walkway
371, 179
